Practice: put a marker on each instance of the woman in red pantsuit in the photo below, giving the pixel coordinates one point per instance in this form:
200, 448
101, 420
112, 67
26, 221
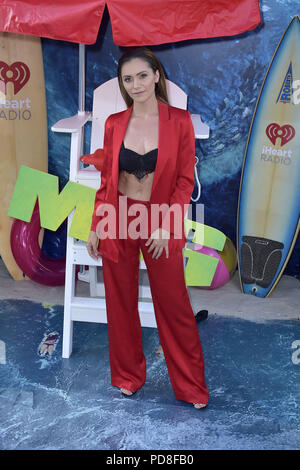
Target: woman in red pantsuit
149, 156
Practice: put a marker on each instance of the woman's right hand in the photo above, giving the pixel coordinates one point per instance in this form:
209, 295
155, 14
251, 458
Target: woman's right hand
92, 245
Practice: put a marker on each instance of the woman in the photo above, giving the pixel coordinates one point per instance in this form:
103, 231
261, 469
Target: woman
149, 152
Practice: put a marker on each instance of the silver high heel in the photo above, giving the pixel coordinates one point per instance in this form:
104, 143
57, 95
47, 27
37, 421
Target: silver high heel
199, 406
126, 394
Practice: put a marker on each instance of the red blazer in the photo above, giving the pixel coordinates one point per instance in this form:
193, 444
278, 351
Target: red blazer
173, 180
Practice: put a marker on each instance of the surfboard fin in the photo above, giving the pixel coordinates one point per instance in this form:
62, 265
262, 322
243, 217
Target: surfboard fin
260, 258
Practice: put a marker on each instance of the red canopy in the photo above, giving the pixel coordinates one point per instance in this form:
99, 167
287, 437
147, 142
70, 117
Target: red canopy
134, 22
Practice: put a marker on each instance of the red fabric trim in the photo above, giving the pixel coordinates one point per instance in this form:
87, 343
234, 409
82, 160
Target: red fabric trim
66, 20
134, 22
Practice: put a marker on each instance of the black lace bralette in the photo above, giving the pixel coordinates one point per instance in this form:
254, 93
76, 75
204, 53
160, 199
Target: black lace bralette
137, 164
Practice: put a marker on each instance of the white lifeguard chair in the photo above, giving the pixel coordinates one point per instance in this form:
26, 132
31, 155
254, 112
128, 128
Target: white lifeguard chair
107, 99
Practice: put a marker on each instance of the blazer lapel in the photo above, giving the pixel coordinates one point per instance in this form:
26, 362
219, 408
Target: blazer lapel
120, 128
164, 133
163, 143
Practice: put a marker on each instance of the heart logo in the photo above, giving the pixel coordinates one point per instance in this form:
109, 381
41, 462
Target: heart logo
284, 133
18, 74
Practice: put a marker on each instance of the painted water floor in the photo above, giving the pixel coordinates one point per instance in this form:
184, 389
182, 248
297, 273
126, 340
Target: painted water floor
47, 402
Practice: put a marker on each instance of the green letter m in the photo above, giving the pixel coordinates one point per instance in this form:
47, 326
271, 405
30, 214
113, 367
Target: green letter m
54, 208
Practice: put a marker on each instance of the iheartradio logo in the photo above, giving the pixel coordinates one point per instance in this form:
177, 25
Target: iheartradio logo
18, 73
284, 133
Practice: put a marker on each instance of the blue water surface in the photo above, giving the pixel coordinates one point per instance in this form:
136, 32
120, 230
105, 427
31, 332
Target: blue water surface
55, 403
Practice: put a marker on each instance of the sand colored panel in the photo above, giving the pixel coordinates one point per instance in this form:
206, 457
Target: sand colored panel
23, 124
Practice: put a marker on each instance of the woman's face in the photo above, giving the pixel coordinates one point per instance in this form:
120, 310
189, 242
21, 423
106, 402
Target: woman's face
139, 80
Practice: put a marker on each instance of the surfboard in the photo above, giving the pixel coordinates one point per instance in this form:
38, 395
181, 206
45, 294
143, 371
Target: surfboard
269, 196
23, 124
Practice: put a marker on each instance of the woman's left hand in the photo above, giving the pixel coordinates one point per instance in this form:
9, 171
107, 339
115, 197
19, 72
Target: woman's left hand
158, 241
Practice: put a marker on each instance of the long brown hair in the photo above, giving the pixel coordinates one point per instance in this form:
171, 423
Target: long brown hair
147, 55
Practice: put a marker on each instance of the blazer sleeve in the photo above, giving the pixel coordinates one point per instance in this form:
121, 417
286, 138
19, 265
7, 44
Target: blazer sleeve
185, 180
101, 192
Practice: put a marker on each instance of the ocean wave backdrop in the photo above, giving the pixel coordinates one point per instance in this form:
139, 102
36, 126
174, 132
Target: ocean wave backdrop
222, 78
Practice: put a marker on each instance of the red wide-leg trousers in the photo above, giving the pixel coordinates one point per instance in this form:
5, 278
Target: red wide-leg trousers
177, 327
